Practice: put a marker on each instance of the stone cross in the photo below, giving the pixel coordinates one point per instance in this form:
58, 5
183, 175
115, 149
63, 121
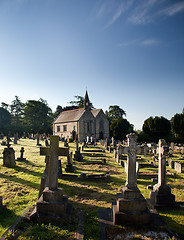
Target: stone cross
163, 150
53, 152
131, 150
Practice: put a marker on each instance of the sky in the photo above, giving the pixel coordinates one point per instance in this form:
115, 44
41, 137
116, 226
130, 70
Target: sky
128, 53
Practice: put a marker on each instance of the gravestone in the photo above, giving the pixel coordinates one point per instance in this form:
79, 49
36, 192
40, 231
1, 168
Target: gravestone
9, 156
69, 167
178, 167
60, 172
46, 142
171, 163
52, 205
15, 138
38, 140
78, 156
130, 207
161, 196
21, 158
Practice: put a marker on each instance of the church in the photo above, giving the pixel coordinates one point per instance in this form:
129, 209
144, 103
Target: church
82, 122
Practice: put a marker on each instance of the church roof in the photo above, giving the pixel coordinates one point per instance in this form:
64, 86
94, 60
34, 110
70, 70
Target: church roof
70, 116
95, 112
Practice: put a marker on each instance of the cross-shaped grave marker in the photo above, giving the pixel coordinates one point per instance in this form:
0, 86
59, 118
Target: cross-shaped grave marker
53, 152
131, 150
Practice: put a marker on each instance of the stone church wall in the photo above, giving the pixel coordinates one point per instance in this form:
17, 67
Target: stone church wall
65, 129
102, 126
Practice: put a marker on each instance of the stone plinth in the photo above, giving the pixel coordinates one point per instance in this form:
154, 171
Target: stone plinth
9, 157
52, 205
162, 197
130, 208
78, 156
70, 168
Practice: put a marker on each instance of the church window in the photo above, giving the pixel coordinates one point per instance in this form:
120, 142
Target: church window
58, 128
64, 128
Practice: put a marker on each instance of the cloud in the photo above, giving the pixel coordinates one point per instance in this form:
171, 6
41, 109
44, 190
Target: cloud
138, 12
173, 9
120, 9
149, 42
141, 42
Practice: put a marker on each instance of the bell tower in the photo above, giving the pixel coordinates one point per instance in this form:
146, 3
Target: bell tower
86, 102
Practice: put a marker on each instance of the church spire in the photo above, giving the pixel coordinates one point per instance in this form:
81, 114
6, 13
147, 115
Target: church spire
86, 101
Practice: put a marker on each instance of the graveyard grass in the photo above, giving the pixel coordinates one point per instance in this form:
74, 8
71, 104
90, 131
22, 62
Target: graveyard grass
20, 186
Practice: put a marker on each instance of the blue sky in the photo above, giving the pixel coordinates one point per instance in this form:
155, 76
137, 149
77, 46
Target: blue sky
124, 52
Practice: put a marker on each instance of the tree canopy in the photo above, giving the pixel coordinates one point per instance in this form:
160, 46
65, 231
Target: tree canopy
156, 128
80, 102
177, 126
37, 117
119, 128
5, 120
115, 112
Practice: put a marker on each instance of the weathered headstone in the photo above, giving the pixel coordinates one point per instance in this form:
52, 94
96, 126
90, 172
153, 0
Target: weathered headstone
69, 166
78, 156
130, 207
178, 167
9, 156
161, 196
171, 163
52, 205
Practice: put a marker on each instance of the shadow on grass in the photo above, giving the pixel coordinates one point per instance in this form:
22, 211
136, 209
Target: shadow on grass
7, 217
177, 227
21, 169
19, 180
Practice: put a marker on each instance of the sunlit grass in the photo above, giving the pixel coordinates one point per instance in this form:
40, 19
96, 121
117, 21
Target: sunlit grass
20, 187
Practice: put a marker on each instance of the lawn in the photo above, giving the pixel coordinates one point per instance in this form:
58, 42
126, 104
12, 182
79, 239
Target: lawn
20, 187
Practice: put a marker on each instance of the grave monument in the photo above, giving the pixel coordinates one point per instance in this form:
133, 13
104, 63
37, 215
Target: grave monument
131, 207
161, 195
52, 204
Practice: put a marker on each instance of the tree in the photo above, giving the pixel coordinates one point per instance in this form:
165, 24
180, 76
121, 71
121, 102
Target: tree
156, 128
115, 112
17, 112
80, 102
4, 105
5, 120
177, 126
120, 128
38, 116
